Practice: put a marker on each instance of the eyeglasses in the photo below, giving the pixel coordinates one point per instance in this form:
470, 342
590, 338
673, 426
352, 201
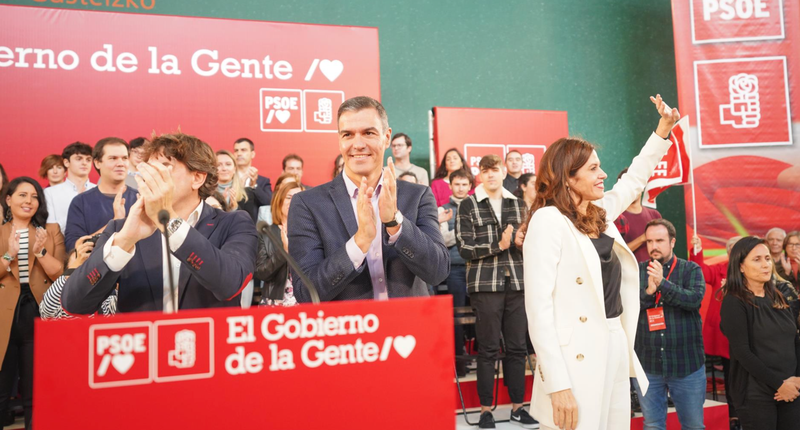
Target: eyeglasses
399, 145
793, 245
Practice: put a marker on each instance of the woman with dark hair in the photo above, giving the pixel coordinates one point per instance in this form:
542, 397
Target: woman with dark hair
53, 169
338, 165
33, 254
789, 266
451, 162
271, 266
582, 284
764, 345
526, 189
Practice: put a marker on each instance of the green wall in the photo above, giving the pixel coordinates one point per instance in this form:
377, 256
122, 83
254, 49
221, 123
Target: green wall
598, 60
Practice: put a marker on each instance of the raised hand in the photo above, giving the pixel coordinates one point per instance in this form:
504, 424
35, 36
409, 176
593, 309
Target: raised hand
155, 188
387, 200
366, 217
138, 225
445, 216
669, 116
655, 274
252, 174
83, 248
119, 204
13, 244
519, 239
786, 264
505, 241
41, 238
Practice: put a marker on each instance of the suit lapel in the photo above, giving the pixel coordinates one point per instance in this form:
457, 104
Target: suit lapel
592, 262
341, 199
205, 226
151, 254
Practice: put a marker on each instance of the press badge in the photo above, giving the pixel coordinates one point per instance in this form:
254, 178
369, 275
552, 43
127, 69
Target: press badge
655, 318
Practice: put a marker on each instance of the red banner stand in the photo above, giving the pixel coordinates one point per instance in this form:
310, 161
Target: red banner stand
359, 365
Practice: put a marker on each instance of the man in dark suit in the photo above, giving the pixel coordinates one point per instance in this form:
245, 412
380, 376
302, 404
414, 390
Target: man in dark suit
245, 151
212, 252
365, 235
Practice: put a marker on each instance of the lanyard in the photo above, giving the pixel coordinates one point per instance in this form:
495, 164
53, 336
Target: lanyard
674, 263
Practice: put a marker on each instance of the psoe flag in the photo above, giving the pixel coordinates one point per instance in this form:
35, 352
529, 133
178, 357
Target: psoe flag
673, 169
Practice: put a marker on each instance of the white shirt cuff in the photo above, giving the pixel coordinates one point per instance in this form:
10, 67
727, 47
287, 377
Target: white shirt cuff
354, 252
115, 257
393, 237
176, 239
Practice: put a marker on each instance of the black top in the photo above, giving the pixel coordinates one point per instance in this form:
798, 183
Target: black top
764, 345
612, 274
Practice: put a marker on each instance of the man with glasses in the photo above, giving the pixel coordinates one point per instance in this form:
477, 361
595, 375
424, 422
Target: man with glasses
136, 156
401, 151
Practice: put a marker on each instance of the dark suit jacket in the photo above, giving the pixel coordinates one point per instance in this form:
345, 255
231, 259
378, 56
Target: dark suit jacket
263, 191
218, 257
321, 221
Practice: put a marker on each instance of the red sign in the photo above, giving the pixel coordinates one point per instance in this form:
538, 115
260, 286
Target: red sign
739, 98
479, 132
736, 20
674, 167
68, 75
302, 366
743, 102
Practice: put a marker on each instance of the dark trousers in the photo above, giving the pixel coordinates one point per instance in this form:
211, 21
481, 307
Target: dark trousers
726, 367
19, 355
761, 412
500, 312
457, 287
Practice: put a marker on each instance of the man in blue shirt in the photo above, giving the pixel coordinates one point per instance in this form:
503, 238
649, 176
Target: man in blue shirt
90, 211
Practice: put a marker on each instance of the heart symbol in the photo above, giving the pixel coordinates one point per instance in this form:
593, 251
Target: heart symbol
123, 362
331, 69
404, 345
283, 116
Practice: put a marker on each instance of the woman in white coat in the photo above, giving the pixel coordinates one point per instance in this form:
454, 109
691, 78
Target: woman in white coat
582, 284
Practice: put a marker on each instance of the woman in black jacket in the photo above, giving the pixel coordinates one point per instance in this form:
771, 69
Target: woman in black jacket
271, 266
764, 344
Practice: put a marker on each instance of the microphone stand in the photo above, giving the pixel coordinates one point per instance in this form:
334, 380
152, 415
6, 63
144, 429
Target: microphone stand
263, 227
163, 218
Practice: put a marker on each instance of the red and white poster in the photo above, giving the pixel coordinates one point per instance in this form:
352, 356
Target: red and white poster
69, 75
480, 132
738, 69
359, 365
674, 167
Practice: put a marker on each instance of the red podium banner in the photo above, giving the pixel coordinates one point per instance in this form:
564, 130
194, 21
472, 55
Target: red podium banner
70, 75
480, 132
362, 364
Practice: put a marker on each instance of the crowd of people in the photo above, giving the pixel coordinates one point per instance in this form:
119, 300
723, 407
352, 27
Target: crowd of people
550, 262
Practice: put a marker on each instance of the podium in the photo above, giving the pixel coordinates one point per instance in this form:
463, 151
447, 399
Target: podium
354, 365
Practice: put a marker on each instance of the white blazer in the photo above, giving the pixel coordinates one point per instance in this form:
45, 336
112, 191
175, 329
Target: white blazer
564, 297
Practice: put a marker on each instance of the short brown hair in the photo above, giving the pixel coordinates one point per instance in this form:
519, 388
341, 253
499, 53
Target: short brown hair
490, 161
791, 234
357, 104
278, 197
191, 151
290, 157
668, 225
48, 163
100, 148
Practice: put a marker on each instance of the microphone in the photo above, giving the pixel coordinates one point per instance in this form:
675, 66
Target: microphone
163, 218
263, 228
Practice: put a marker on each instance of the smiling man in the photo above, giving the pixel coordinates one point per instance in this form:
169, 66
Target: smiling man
89, 212
366, 235
78, 161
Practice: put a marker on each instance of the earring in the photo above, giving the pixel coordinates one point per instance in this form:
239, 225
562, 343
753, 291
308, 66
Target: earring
7, 218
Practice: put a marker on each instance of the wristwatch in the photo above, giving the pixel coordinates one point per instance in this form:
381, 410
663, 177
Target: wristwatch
173, 225
44, 251
398, 219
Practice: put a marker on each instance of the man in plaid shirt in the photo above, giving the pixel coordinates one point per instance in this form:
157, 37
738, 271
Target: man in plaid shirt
669, 337
488, 238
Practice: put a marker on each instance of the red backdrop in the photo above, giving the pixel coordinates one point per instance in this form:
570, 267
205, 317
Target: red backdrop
479, 132
55, 102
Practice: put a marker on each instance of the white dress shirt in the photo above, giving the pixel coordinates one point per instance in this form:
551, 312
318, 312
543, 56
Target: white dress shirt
58, 198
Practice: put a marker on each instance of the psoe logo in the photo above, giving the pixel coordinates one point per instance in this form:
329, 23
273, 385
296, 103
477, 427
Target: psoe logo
119, 354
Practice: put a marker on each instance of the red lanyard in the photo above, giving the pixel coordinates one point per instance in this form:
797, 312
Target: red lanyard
674, 263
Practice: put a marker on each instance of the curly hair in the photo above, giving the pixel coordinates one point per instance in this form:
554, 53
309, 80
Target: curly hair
191, 151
